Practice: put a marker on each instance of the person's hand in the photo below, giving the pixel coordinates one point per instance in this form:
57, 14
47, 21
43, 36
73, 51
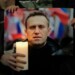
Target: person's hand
12, 8
37, 1
73, 22
11, 61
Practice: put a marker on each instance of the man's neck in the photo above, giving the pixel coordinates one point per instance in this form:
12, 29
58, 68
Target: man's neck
38, 45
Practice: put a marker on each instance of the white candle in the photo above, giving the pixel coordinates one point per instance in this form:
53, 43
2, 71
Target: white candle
22, 47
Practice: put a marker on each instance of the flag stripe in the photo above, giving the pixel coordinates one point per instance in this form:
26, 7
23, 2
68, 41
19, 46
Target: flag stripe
18, 27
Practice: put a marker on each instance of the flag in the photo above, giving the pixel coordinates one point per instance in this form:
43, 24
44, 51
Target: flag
61, 19
59, 28
62, 13
13, 25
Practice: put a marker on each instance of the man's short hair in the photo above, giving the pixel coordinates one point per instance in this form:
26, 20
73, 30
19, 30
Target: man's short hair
39, 13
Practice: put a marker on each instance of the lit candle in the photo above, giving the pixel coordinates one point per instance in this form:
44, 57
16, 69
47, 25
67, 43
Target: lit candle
22, 47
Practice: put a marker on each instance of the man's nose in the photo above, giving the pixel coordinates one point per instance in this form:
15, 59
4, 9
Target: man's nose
37, 30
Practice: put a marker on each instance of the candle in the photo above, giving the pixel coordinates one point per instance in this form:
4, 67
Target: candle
22, 47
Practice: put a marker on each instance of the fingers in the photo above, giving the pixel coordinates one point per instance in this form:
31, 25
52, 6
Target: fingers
13, 61
73, 21
14, 64
12, 8
18, 55
20, 61
13, 68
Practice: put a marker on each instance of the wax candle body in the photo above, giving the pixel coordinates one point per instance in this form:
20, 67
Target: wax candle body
22, 47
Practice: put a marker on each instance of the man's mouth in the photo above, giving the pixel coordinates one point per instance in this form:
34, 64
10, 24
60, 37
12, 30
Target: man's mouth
36, 37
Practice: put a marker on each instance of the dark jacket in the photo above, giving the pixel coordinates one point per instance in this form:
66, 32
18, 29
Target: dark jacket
41, 59
55, 47
68, 67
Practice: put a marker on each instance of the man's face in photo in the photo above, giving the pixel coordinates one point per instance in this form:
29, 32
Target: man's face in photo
37, 30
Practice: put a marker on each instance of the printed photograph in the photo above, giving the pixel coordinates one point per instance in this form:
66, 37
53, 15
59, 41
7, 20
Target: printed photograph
59, 20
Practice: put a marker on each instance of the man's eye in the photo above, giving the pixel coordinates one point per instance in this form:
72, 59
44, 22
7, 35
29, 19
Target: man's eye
32, 27
41, 26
